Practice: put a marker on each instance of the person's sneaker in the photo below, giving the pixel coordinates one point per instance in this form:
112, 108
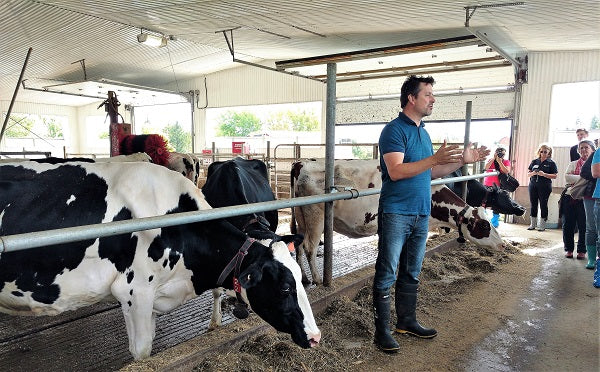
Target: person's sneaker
569, 254
580, 256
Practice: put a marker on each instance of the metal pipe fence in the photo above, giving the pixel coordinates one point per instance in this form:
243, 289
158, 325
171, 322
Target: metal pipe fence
17, 242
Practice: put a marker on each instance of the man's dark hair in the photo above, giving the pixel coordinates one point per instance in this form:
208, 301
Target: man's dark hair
412, 86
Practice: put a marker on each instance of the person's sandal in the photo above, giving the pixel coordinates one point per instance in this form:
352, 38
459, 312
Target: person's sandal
569, 254
580, 256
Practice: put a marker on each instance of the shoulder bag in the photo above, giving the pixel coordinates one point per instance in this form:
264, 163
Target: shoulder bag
577, 190
507, 182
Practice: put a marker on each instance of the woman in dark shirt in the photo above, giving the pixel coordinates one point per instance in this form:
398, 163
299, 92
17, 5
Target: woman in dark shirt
542, 171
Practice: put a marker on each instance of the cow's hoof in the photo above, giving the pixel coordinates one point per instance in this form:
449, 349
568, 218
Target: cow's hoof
461, 240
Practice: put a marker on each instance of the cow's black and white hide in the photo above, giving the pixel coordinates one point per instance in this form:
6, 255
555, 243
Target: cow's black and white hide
148, 272
479, 195
238, 182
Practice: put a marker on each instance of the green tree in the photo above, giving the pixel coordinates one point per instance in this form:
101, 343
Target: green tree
303, 121
595, 123
360, 152
279, 121
178, 138
19, 126
299, 121
238, 124
54, 129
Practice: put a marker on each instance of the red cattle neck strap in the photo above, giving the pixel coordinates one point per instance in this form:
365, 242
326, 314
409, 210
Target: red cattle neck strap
240, 310
235, 263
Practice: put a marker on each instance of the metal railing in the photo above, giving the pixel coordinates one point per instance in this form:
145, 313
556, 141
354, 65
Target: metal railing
23, 153
17, 242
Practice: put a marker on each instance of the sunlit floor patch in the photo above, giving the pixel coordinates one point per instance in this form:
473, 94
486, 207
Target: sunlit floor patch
511, 347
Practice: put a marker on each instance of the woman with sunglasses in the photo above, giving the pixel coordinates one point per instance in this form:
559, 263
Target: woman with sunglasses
542, 171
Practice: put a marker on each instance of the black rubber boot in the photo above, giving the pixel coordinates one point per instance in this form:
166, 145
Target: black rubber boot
406, 305
383, 338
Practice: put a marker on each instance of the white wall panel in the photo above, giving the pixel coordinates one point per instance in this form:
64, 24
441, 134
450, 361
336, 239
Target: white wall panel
485, 106
546, 69
500, 76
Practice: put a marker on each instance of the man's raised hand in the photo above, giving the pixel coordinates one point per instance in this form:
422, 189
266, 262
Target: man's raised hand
448, 154
472, 155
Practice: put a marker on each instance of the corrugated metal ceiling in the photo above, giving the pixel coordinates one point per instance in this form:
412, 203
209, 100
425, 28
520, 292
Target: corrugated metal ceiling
104, 33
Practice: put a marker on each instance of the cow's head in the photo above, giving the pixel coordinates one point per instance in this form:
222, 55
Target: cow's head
492, 197
476, 228
273, 288
448, 209
501, 202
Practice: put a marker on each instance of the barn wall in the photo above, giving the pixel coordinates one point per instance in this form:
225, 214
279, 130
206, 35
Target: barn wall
533, 124
500, 76
485, 106
545, 70
243, 86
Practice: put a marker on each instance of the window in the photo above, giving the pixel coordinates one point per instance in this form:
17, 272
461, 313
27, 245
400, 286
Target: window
574, 106
173, 122
33, 132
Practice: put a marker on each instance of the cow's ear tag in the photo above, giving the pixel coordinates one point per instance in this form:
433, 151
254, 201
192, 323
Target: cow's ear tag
291, 247
240, 311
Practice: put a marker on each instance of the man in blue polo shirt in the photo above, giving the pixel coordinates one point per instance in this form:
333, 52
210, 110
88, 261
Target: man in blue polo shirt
408, 164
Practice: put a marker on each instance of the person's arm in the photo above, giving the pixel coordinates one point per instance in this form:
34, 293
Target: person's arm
549, 175
596, 165
489, 163
571, 178
503, 167
469, 155
596, 170
449, 156
530, 172
586, 169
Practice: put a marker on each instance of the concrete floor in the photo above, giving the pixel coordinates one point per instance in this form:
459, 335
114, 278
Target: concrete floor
556, 327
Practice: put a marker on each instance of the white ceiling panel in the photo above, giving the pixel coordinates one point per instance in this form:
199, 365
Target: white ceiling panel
62, 32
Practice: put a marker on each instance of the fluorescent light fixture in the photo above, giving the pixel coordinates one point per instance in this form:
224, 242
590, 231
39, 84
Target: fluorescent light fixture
152, 40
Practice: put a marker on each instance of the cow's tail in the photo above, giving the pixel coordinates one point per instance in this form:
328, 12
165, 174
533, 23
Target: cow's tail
293, 224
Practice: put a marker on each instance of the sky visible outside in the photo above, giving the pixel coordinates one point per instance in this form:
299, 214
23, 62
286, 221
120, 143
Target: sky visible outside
570, 102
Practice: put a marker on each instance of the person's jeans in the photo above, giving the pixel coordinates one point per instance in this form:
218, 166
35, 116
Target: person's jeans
402, 240
590, 222
597, 220
539, 192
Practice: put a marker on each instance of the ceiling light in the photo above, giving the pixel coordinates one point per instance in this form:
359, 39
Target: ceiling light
152, 40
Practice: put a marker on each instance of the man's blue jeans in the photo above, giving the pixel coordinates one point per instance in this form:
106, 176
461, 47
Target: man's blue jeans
402, 240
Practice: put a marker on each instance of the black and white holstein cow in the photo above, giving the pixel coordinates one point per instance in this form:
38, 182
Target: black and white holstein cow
148, 272
486, 196
357, 218
238, 182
